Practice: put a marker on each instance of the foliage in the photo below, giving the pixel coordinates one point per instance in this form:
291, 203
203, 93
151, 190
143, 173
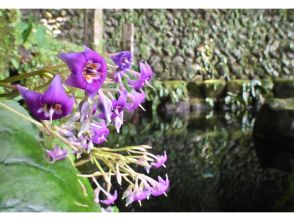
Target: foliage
28, 181
172, 91
35, 47
251, 93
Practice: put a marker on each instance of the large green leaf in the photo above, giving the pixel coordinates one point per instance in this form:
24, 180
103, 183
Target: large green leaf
28, 182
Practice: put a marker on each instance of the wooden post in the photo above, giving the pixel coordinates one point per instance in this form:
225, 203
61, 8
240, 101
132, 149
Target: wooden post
93, 28
128, 37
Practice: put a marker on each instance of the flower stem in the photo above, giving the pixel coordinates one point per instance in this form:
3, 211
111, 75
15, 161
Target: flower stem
31, 74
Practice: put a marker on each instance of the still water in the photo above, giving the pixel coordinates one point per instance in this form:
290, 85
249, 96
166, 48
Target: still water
213, 164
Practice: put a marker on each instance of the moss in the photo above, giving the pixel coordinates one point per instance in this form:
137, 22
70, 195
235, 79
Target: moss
282, 104
7, 39
178, 88
268, 84
213, 88
235, 86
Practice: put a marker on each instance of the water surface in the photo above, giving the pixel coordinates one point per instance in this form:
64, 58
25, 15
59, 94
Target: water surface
212, 164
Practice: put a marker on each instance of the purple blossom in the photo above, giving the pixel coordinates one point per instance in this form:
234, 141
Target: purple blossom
99, 132
122, 60
105, 106
110, 199
159, 160
160, 187
140, 195
56, 154
136, 99
118, 106
88, 70
53, 104
144, 76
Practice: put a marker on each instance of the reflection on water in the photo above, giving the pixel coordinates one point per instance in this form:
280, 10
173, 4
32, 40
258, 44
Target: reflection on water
212, 165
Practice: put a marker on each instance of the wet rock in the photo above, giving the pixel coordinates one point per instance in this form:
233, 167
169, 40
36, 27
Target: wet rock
194, 89
235, 86
213, 88
283, 88
273, 134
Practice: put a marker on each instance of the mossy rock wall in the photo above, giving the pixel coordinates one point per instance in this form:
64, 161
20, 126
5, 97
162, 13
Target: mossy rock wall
194, 44
7, 19
207, 44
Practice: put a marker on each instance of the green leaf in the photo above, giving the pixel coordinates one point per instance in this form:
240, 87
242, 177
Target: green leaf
26, 33
28, 181
41, 36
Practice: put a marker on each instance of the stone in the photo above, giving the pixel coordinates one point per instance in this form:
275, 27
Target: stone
178, 60
273, 134
235, 86
154, 60
194, 89
283, 88
158, 67
213, 88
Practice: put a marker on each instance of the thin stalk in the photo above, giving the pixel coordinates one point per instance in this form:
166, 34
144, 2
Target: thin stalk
30, 74
8, 86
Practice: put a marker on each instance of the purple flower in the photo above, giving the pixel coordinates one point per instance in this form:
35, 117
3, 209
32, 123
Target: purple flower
140, 195
123, 60
99, 132
145, 76
118, 106
160, 187
56, 154
51, 105
136, 99
160, 160
105, 107
110, 199
88, 70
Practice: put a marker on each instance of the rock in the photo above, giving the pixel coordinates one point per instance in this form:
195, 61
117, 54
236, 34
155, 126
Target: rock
194, 89
213, 88
283, 88
48, 15
178, 60
63, 13
235, 86
273, 134
153, 60
158, 67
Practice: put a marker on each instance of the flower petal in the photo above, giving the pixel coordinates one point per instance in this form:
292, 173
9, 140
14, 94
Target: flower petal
55, 94
75, 61
32, 100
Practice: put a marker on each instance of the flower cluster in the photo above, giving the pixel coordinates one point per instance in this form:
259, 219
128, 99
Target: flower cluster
110, 90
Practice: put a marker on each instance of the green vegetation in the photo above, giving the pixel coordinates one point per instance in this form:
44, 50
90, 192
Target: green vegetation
28, 181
